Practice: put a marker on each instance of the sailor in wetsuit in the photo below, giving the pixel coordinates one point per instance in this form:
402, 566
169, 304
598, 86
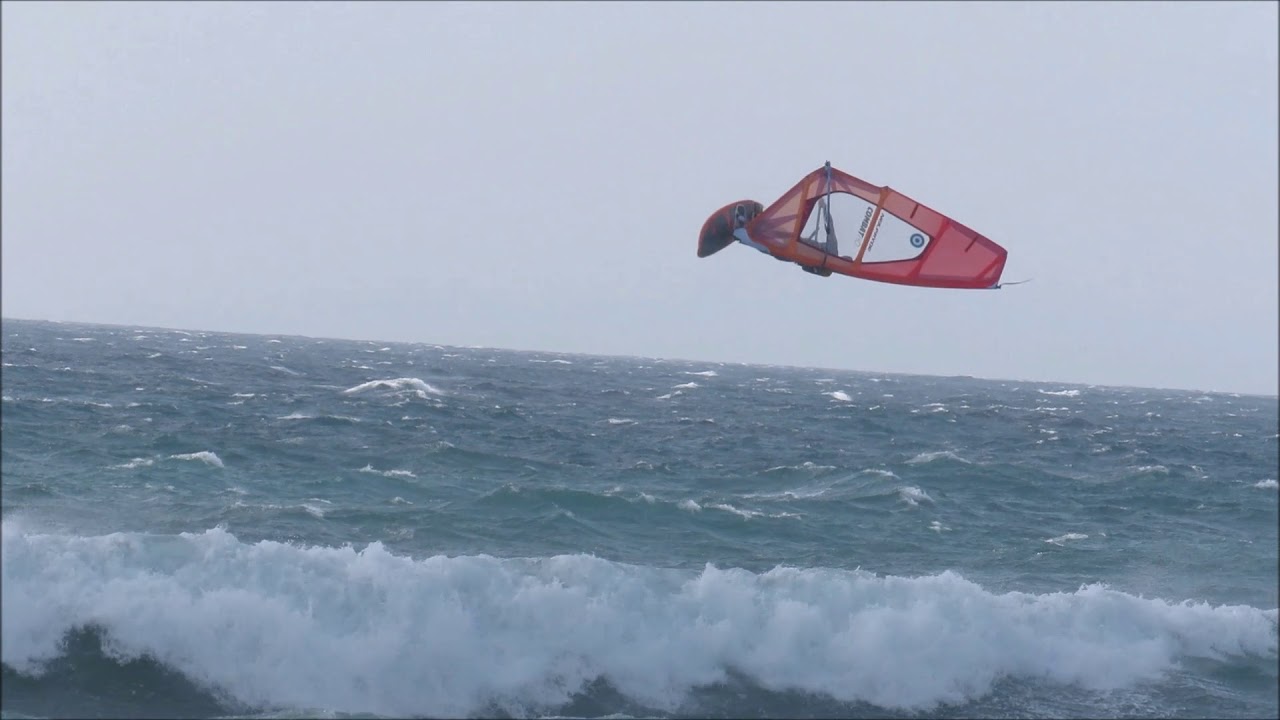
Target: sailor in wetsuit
740, 220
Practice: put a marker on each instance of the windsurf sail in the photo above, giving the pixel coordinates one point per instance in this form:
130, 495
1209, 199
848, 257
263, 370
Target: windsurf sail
886, 235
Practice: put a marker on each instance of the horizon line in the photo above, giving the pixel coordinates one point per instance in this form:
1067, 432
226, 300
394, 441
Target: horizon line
4, 318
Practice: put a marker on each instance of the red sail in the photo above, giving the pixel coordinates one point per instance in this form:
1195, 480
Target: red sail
896, 239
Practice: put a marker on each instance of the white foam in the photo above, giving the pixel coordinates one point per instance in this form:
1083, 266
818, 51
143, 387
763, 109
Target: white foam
913, 495
840, 395
704, 373
1269, 483
808, 465
928, 457
134, 463
744, 514
420, 388
690, 506
685, 386
621, 421
388, 473
1061, 539
204, 456
365, 631
1060, 393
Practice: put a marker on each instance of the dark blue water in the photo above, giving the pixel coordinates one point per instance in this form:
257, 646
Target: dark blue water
202, 524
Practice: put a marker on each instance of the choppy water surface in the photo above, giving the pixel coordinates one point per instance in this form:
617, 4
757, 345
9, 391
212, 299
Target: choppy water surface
202, 524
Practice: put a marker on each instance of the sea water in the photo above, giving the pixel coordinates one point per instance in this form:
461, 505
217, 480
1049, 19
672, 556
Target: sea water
203, 524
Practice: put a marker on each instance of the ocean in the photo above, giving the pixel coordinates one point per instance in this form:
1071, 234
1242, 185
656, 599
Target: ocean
202, 524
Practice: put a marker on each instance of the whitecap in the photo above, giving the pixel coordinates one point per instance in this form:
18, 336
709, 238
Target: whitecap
913, 495
744, 514
928, 457
134, 463
205, 456
388, 473
422, 389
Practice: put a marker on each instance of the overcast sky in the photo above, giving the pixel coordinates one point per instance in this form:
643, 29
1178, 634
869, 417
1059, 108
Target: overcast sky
534, 176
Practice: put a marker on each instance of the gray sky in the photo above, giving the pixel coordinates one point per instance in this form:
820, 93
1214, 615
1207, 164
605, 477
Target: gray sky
534, 176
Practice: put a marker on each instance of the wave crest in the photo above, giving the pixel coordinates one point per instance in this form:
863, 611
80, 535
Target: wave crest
366, 631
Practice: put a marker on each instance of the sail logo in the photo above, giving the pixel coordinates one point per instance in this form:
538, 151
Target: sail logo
875, 233
866, 218
917, 240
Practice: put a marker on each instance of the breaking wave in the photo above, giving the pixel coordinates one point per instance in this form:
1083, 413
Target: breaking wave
420, 388
351, 630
